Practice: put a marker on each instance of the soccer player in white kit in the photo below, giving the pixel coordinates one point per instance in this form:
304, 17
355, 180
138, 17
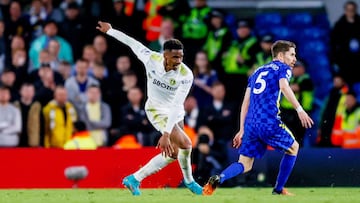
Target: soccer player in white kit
169, 81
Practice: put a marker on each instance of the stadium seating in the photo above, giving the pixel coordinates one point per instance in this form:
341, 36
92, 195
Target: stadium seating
266, 20
312, 47
313, 33
299, 20
321, 20
282, 32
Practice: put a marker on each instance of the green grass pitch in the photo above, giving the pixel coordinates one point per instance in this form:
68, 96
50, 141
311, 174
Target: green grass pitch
222, 195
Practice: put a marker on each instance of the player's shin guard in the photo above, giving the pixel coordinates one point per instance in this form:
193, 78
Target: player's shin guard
286, 166
153, 166
185, 164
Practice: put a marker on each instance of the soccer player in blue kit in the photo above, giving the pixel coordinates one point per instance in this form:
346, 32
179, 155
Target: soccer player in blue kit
260, 124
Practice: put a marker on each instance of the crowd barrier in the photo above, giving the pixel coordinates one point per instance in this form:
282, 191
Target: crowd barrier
44, 168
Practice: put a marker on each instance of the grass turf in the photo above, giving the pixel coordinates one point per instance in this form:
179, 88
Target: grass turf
233, 195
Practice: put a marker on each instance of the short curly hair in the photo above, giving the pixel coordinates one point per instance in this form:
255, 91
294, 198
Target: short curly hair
173, 44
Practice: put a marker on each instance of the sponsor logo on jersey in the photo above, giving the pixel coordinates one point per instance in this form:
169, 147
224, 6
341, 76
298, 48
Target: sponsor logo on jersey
186, 82
172, 81
163, 85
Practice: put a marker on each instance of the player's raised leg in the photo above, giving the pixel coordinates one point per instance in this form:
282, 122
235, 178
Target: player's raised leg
179, 137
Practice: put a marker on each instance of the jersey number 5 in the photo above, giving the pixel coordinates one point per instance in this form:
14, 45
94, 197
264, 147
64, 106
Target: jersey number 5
261, 81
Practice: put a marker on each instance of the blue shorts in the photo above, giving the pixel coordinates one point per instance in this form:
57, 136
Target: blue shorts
258, 136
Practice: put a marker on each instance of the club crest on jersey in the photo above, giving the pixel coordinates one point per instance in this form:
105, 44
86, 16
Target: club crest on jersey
172, 81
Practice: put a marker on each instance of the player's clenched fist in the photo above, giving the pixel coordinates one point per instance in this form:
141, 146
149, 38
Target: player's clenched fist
103, 26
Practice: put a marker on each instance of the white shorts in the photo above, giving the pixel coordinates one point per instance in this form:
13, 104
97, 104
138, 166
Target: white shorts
158, 115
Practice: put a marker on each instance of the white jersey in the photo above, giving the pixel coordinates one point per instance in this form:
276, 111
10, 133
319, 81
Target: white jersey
166, 91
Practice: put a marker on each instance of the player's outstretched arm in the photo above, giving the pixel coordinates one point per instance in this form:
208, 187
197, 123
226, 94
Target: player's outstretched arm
141, 51
306, 121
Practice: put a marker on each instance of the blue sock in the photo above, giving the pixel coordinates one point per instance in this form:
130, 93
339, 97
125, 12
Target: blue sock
233, 170
286, 166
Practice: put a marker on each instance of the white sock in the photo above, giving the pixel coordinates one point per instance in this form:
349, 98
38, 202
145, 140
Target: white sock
185, 164
154, 165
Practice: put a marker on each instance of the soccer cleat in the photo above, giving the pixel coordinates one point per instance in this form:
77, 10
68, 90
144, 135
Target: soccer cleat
211, 185
132, 184
282, 192
195, 188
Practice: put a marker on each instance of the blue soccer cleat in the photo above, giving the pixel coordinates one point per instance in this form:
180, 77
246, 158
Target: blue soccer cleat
132, 184
195, 188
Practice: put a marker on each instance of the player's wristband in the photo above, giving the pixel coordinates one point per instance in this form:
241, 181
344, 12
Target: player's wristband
299, 109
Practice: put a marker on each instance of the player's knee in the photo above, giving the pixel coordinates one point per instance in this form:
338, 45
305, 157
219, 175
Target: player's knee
247, 167
247, 163
185, 145
294, 148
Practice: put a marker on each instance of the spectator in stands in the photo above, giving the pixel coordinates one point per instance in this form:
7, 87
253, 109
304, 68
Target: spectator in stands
129, 80
264, 55
75, 29
152, 22
8, 78
54, 54
220, 116
217, 41
17, 42
346, 131
46, 84
31, 117
101, 46
207, 160
133, 120
190, 119
166, 33
194, 29
19, 66
97, 115
191, 112
81, 138
345, 43
65, 69
77, 85
37, 16
65, 4
204, 78
100, 74
336, 96
59, 115
118, 98
174, 9
90, 54
16, 23
302, 86
53, 13
3, 47
129, 23
10, 120
42, 42
238, 60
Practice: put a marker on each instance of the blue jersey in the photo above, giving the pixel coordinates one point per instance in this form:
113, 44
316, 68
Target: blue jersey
265, 93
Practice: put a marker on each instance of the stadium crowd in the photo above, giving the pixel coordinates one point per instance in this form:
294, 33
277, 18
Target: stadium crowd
57, 69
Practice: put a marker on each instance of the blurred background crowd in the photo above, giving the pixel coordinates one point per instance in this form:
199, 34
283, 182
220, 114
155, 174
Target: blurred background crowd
65, 85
